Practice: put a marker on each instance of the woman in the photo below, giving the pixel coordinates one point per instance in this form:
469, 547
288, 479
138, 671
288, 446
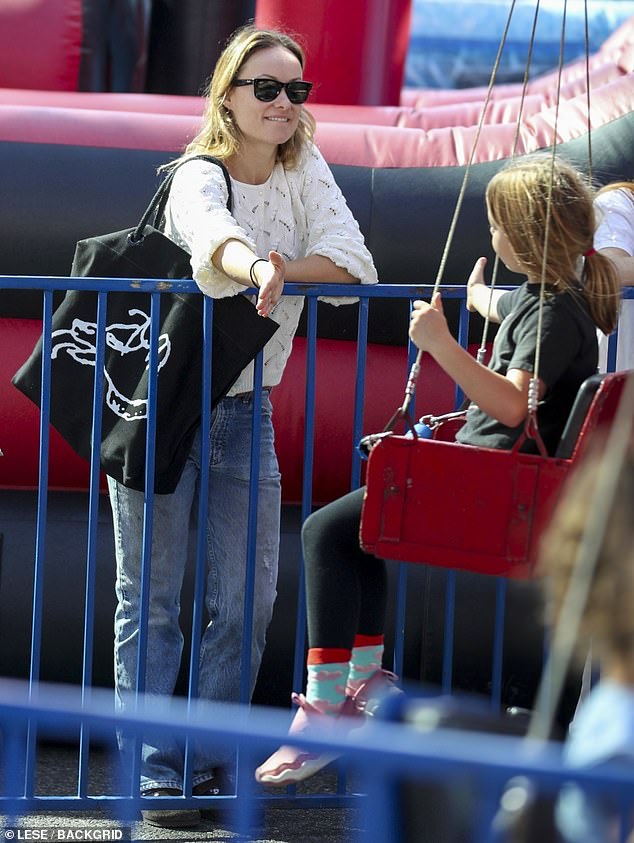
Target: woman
614, 238
346, 587
289, 222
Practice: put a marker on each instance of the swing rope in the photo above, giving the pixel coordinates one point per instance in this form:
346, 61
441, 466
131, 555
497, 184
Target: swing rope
403, 411
482, 350
575, 600
531, 428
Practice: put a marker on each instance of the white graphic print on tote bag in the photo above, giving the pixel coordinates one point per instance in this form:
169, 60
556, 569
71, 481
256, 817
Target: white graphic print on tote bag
79, 343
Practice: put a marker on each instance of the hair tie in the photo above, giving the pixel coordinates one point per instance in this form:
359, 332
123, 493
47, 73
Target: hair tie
252, 275
589, 253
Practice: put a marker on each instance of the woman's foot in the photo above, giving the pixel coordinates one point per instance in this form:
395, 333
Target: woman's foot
291, 764
184, 817
170, 817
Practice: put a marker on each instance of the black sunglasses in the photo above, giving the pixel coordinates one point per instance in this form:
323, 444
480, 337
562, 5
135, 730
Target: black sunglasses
267, 90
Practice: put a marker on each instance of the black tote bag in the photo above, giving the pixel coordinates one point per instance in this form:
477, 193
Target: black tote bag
239, 333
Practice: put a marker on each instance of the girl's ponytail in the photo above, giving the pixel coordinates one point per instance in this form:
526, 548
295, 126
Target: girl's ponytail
602, 290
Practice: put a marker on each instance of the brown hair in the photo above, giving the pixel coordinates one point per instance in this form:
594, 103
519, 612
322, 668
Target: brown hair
219, 135
608, 618
542, 193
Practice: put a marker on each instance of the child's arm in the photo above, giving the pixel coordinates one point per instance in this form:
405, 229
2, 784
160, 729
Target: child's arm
480, 298
504, 398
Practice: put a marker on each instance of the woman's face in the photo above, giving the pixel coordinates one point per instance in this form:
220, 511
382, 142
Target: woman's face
270, 123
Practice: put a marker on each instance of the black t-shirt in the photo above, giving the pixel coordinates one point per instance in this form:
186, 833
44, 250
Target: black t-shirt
569, 355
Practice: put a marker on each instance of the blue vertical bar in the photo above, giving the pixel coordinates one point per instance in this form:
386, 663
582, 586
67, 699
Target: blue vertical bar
14, 741
400, 608
613, 342
252, 526
201, 527
148, 514
463, 339
486, 807
40, 542
399, 621
450, 619
380, 819
307, 482
148, 503
93, 521
498, 642
359, 390
42, 490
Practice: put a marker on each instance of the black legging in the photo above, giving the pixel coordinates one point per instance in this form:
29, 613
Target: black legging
346, 589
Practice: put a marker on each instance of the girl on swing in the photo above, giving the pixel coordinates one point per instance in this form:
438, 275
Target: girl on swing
534, 198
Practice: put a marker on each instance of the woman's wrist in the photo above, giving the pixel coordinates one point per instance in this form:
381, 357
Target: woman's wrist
252, 276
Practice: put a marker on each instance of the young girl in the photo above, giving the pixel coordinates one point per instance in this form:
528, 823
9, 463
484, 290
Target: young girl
346, 587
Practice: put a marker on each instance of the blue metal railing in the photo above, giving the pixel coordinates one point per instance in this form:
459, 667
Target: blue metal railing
392, 751
385, 757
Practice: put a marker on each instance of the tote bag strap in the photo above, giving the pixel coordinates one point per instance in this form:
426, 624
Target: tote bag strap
154, 211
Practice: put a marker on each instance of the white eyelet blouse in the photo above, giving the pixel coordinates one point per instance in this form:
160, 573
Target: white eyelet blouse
297, 212
615, 229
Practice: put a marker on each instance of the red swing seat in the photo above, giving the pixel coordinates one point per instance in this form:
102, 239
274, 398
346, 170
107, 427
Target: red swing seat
475, 509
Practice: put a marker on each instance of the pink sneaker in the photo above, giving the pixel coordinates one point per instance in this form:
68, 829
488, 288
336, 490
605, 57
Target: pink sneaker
367, 694
290, 764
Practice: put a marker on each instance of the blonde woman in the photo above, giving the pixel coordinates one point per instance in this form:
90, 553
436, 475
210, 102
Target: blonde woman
289, 222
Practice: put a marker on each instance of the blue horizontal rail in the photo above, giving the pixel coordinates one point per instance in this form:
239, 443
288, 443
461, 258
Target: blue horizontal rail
384, 755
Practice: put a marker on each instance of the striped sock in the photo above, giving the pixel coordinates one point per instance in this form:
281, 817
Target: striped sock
366, 659
327, 675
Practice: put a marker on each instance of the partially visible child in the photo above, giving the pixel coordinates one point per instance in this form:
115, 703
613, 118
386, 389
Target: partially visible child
603, 730
345, 587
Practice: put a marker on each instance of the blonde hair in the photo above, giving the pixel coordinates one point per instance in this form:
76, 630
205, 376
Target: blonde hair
219, 135
537, 191
608, 618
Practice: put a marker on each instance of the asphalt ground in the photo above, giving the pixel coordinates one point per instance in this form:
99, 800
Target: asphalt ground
57, 776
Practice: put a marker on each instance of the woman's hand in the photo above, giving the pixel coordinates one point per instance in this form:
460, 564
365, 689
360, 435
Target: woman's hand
270, 276
428, 326
476, 285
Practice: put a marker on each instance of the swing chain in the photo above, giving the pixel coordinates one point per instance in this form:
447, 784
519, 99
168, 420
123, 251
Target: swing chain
411, 381
533, 396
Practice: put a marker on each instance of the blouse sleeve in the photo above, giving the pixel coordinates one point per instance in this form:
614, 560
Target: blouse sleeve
332, 230
197, 218
615, 220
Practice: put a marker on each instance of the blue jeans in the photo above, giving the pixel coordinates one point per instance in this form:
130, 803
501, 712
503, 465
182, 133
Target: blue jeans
219, 677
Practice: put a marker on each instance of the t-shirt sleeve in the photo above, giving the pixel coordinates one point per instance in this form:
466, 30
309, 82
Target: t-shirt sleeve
507, 302
332, 229
615, 220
